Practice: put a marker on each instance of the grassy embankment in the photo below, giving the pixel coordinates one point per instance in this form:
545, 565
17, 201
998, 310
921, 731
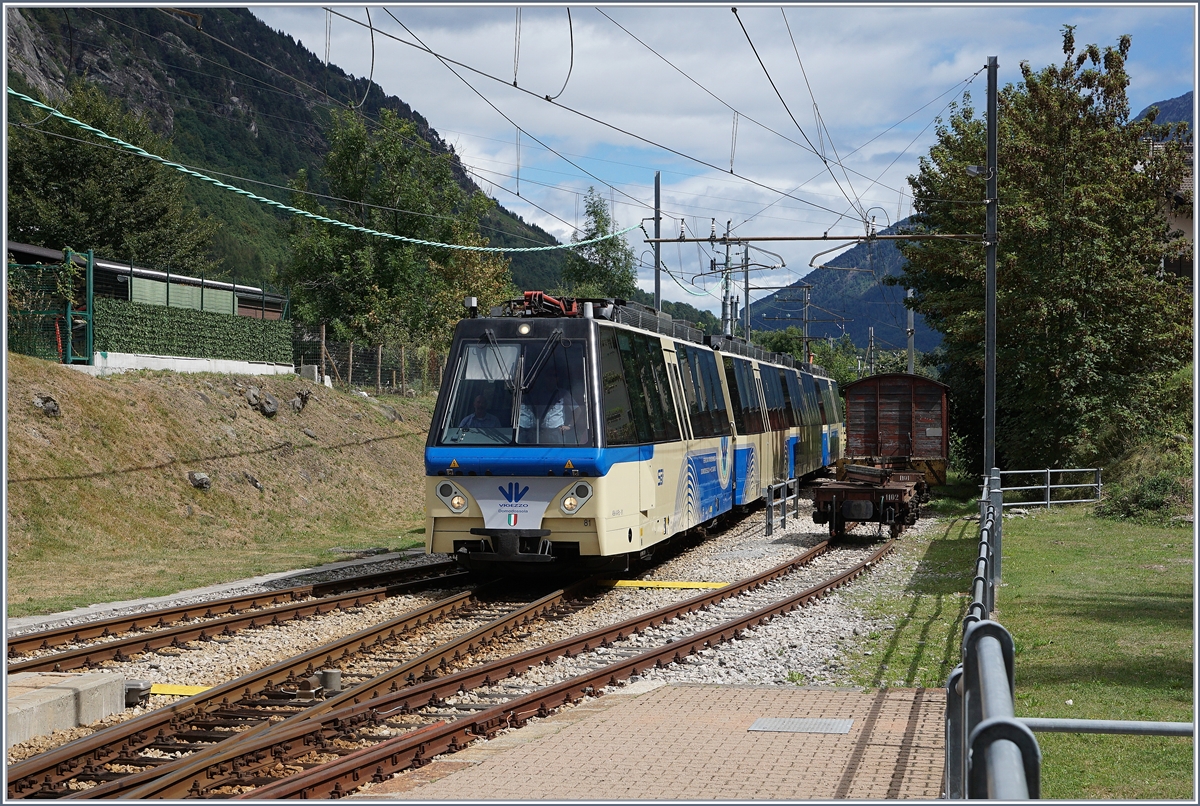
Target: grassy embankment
1101, 614
100, 508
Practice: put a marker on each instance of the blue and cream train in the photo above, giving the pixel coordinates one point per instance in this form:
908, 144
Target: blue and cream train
595, 431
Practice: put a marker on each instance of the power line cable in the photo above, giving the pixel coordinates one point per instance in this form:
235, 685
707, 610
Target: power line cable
821, 127
779, 95
296, 211
571, 66
371, 77
447, 62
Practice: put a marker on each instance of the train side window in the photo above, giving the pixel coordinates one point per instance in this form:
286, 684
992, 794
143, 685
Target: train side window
699, 404
748, 408
649, 387
773, 392
839, 405
789, 412
820, 401
795, 396
735, 395
622, 422
707, 371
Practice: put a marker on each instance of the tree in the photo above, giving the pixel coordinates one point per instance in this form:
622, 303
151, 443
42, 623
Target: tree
1088, 325
92, 195
603, 269
377, 289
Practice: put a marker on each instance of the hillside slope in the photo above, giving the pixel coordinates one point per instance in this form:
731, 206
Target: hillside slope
100, 506
237, 97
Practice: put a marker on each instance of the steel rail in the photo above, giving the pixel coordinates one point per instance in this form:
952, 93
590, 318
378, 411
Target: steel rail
137, 784
25, 643
237, 764
121, 649
376, 763
46, 772
385, 692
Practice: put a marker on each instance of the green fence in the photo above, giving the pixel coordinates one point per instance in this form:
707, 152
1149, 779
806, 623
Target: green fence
49, 315
132, 327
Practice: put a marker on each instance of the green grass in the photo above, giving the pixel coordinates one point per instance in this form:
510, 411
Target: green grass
158, 568
1101, 614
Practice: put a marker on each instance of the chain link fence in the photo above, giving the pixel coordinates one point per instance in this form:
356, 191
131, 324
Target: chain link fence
399, 368
47, 315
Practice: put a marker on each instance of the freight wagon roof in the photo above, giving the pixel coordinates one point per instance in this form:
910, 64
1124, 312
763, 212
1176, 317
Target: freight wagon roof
873, 379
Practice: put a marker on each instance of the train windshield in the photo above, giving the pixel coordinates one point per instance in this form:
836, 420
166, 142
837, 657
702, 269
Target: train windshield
529, 392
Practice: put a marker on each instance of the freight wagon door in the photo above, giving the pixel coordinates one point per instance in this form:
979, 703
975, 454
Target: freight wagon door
895, 416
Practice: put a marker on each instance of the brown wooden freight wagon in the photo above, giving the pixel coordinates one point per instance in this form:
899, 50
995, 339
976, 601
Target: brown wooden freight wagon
898, 421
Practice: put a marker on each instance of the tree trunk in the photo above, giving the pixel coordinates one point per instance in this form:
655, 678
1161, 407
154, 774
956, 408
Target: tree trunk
378, 368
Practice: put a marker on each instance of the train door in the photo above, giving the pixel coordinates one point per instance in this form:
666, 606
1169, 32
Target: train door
824, 422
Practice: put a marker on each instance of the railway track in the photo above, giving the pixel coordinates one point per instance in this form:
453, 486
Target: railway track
383, 725
275, 692
202, 620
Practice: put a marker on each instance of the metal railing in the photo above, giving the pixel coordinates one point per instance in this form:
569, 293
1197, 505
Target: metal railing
778, 495
1048, 499
990, 752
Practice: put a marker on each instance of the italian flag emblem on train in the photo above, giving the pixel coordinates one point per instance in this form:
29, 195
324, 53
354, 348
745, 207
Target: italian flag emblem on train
512, 519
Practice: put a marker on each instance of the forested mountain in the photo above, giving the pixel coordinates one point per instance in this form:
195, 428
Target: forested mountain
237, 98
1172, 110
855, 300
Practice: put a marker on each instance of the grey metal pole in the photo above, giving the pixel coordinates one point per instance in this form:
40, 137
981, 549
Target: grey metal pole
657, 245
989, 371
746, 282
726, 295
912, 338
996, 498
806, 353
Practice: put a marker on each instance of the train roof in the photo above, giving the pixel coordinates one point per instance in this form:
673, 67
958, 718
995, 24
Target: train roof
643, 317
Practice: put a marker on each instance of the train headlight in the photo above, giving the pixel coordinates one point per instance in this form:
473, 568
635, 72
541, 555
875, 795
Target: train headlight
575, 497
524, 329
454, 498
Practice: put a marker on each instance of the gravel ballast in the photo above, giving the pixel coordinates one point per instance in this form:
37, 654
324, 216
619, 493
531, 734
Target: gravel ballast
807, 647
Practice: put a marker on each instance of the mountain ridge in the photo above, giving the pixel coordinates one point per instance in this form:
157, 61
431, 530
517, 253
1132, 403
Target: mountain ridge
196, 81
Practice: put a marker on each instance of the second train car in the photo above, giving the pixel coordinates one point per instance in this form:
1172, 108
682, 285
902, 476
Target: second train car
593, 431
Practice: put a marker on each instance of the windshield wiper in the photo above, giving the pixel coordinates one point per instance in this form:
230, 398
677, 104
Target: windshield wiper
509, 384
543, 356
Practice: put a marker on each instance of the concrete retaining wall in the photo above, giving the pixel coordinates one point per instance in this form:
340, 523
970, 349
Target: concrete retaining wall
112, 363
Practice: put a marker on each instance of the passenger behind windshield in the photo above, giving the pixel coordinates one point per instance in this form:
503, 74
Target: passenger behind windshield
554, 408
480, 417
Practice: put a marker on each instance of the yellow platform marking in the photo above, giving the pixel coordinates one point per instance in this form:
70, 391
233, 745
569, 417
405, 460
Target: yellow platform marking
639, 583
177, 691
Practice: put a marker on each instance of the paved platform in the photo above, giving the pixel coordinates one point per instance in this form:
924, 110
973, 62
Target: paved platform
39, 703
694, 742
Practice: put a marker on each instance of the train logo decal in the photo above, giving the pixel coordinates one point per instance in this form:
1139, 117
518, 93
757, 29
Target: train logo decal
688, 500
723, 464
512, 519
514, 493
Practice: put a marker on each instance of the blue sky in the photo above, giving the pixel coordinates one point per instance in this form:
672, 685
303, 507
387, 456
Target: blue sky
879, 74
